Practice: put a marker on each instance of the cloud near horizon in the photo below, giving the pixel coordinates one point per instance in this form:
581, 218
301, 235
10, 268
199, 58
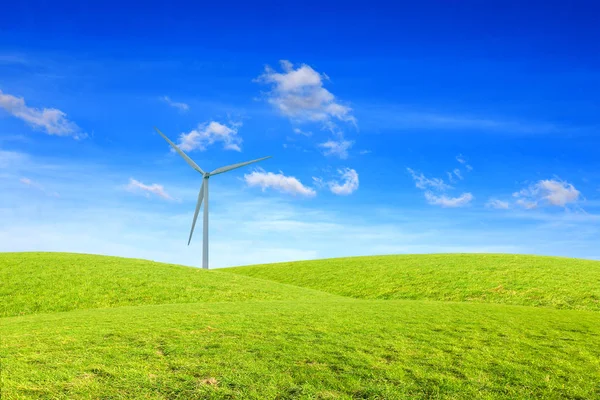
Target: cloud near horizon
548, 192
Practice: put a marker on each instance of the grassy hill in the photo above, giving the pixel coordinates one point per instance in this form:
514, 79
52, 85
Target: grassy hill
49, 282
556, 282
88, 326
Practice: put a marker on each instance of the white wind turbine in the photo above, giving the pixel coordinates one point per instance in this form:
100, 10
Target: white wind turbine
203, 194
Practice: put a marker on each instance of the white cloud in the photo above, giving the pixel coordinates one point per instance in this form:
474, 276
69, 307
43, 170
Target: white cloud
446, 201
437, 184
559, 193
529, 205
299, 94
158, 190
498, 204
264, 228
299, 131
34, 185
337, 148
456, 173
52, 120
319, 182
349, 182
363, 152
461, 159
180, 106
422, 182
279, 182
547, 192
210, 133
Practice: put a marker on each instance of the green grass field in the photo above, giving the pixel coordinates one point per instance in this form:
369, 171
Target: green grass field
556, 282
391, 327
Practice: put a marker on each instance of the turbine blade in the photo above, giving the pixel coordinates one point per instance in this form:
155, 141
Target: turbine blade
234, 166
181, 153
200, 197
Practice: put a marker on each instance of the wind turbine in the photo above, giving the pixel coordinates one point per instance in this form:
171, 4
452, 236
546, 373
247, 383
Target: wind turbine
203, 194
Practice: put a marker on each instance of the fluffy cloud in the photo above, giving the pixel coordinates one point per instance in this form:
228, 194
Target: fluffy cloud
279, 182
298, 93
446, 201
422, 182
337, 148
348, 185
498, 204
51, 120
210, 133
179, 106
547, 192
156, 189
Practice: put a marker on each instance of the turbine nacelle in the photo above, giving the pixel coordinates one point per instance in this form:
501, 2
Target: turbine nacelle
203, 193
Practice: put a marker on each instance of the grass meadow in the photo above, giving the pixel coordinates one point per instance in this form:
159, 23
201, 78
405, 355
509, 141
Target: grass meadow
445, 326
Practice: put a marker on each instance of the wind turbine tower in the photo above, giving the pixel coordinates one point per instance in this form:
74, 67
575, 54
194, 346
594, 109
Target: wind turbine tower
203, 194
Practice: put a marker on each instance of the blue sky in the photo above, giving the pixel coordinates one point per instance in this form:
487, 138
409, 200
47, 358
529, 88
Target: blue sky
418, 127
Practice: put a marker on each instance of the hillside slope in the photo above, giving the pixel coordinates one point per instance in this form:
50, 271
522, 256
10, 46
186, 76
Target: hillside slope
556, 282
83, 326
336, 348
49, 282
